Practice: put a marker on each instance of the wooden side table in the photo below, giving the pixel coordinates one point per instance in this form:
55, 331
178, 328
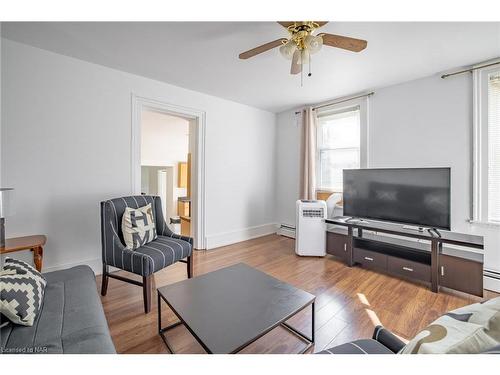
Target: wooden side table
33, 243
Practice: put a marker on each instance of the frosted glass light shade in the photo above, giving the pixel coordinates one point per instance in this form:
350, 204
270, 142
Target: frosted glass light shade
288, 49
6, 195
313, 43
304, 57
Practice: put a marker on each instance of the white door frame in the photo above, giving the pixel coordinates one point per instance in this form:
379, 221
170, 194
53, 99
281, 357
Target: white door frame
198, 161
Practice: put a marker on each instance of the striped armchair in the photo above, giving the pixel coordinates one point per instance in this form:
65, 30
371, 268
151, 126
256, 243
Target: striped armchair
167, 249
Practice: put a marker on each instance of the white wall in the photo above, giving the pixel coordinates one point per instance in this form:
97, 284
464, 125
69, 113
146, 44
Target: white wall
287, 166
164, 139
66, 146
422, 123
1, 103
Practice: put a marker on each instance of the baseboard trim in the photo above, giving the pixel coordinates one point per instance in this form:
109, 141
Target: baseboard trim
95, 264
229, 238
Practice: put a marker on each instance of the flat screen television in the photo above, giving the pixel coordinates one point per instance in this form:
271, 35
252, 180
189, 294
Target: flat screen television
416, 196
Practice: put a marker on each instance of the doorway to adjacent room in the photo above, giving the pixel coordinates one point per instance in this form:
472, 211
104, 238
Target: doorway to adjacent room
168, 161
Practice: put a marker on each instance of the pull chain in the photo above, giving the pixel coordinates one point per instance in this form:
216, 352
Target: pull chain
310, 74
301, 69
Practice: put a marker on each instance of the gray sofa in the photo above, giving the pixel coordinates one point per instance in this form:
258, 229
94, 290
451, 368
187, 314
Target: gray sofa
383, 341
71, 320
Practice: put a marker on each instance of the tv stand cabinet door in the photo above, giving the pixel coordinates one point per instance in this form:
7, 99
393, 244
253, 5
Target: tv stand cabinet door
461, 274
336, 244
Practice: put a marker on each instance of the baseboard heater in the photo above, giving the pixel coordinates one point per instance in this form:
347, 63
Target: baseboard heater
492, 280
493, 274
286, 230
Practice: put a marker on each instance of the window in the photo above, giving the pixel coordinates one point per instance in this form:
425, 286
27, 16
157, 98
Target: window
338, 146
487, 145
494, 146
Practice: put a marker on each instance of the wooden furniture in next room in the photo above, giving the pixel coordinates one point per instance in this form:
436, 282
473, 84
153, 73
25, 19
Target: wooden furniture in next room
435, 258
33, 243
183, 206
184, 212
186, 225
182, 177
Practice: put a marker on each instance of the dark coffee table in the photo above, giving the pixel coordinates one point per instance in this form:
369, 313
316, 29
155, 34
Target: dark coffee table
228, 309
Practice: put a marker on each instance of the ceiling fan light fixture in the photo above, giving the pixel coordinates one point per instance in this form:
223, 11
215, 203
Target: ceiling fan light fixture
313, 43
304, 57
301, 44
287, 50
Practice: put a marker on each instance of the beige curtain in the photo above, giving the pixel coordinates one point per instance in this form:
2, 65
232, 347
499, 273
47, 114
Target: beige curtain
308, 155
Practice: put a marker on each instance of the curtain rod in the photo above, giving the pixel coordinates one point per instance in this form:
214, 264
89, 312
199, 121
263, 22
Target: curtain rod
343, 100
340, 101
468, 70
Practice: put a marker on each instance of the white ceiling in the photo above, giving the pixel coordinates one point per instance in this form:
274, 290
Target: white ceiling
203, 56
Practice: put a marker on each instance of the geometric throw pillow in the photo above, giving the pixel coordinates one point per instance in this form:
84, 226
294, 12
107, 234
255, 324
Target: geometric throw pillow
138, 226
467, 330
21, 294
21, 267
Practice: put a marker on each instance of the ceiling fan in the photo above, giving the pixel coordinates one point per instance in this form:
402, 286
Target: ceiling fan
302, 44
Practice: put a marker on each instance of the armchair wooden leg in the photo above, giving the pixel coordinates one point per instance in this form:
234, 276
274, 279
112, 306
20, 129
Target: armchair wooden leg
105, 279
190, 266
146, 290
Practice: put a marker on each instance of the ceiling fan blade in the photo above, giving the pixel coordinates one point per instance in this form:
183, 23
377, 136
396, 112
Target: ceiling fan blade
286, 24
344, 42
321, 23
296, 68
263, 48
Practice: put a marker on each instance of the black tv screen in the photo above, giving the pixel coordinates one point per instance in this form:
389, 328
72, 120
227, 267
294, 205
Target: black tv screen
418, 196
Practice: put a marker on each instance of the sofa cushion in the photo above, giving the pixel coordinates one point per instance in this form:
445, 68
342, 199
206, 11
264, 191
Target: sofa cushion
71, 321
470, 329
138, 226
165, 251
495, 350
366, 346
21, 292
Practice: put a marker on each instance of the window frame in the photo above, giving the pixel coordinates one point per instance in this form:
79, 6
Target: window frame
480, 145
362, 104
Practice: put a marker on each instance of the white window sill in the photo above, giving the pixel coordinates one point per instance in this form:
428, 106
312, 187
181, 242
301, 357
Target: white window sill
484, 223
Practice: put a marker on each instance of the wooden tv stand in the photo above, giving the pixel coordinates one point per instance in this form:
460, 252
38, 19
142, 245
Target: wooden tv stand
431, 259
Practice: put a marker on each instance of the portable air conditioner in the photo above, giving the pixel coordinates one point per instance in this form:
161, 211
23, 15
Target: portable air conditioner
310, 228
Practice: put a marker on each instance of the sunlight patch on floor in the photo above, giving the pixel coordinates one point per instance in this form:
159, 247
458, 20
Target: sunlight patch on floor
363, 299
371, 314
373, 317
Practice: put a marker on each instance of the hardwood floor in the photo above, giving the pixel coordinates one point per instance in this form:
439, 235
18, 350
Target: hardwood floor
349, 301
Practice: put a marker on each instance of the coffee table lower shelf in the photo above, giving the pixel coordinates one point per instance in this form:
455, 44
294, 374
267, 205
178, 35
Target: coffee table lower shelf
301, 336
